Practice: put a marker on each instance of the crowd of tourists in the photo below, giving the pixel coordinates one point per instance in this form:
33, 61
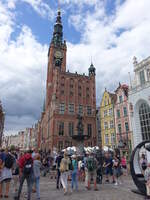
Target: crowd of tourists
30, 165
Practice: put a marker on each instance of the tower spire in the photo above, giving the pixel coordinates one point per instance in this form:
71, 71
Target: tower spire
57, 39
92, 69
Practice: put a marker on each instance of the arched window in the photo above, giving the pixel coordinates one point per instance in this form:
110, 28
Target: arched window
144, 113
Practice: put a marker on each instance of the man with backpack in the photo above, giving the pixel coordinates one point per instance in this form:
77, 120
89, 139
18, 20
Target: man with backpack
91, 165
26, 173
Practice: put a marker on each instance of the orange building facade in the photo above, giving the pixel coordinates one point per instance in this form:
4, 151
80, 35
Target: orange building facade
67, 96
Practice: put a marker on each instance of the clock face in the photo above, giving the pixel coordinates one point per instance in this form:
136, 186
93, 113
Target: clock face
58, 54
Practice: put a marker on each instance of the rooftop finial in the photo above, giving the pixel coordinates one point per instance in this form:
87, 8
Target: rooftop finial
58, 20
91, 60
59, 10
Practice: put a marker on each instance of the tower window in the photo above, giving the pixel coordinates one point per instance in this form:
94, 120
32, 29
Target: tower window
71, 128
89, 129
61, 128
71, 108
80, 111
62, 108
89, 110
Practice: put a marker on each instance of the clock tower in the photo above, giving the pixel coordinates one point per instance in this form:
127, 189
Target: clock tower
56, 56
57, 48
68, 95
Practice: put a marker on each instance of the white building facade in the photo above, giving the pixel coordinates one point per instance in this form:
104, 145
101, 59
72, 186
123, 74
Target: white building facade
139, 99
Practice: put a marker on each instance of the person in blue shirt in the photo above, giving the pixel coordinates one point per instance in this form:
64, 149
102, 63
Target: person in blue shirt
2, 155
74, 182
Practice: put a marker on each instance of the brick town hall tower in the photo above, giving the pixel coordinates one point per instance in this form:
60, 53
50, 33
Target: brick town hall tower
67, 95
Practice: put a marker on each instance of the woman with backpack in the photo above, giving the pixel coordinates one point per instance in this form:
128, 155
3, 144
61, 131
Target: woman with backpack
6, 172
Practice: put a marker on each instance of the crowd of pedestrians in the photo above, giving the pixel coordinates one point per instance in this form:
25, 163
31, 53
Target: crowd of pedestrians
89, 169
30, 165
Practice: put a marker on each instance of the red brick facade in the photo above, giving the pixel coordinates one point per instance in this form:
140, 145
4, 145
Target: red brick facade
67, 95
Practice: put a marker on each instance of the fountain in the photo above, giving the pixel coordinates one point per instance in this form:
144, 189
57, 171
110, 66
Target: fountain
80, 137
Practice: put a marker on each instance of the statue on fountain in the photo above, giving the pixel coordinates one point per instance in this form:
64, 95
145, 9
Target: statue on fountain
80, 126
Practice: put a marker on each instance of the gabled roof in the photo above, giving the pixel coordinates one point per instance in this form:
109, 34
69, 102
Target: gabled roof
124, 87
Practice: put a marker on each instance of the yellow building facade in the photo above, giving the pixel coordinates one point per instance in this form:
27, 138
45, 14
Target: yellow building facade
107, 120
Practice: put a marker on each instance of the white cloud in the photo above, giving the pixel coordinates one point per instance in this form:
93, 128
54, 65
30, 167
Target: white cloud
23, 73
132, 13
112, 41
11, 4
43, 9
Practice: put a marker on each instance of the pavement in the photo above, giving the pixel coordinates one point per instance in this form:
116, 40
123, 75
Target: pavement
106, 191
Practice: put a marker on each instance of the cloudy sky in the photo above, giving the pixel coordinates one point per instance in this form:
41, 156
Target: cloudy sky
109, 31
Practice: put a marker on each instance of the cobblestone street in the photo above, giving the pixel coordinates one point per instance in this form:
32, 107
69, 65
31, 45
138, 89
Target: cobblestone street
106, 192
